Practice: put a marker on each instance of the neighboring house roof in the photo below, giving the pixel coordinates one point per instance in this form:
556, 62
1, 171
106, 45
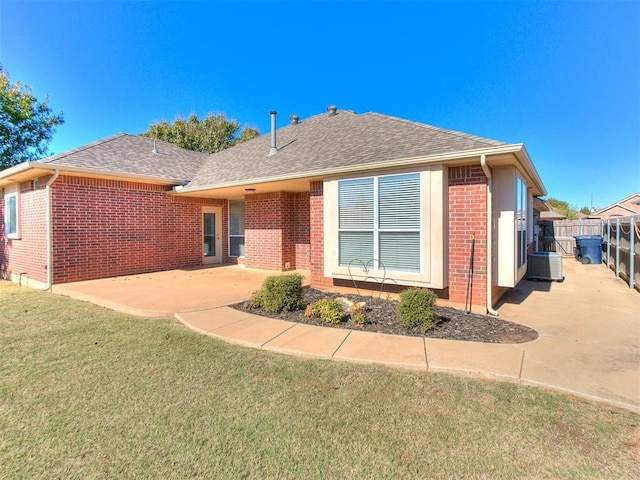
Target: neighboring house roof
551, 215
324, 142
540, 205
627, 206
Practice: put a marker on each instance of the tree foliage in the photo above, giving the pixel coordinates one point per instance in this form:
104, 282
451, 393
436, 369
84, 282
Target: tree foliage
209, 135
565, 209
26, 125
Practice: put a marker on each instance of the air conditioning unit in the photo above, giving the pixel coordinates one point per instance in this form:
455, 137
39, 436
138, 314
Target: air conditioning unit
545, 266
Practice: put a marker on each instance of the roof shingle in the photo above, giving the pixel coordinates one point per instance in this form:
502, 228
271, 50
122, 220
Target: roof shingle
133, 155
324, 142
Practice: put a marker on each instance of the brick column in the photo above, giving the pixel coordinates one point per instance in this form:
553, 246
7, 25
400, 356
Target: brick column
316, 205
269, 231
467, 215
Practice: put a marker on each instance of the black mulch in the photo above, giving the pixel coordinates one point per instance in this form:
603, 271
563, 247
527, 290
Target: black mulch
381, 318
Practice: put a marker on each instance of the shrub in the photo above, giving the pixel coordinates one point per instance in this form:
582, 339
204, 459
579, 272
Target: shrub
310, 311
282, 293
256, 299
329, 311
357, 314
415, 309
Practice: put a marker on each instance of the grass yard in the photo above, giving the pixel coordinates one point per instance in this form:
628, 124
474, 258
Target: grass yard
89, 393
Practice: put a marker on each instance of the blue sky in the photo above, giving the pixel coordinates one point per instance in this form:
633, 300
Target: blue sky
561, 77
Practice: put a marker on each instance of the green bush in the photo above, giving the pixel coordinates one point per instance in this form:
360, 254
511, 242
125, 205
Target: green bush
282, 293
329, 311
358, 315
415, 309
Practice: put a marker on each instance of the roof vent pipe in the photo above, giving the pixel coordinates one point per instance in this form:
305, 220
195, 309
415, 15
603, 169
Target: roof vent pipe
294, 119
273, 149
331, 110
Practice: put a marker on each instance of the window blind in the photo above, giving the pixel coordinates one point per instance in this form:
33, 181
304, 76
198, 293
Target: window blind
355, 199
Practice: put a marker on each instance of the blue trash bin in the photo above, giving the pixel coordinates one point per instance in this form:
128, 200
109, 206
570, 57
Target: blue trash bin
589, 249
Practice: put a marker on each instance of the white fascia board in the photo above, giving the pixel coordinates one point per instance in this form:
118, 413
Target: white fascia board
530, 169
395, 163
79, 171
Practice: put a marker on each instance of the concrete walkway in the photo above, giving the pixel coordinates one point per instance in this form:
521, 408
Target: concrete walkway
588, 325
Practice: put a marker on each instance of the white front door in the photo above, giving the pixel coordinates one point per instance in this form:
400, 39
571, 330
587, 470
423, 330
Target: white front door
211, 235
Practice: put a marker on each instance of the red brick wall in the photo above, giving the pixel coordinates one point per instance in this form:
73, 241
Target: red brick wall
277, 231
105, 228
316, 235
268, 231
301, 232
27, 254
467, 215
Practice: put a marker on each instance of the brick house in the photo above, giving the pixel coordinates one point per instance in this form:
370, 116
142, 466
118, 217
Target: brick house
328, 194
626, 207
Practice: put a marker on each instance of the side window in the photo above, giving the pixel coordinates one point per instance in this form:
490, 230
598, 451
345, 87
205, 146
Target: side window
11, 212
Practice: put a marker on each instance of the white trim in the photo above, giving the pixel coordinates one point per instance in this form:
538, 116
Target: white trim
517, 149
42, 168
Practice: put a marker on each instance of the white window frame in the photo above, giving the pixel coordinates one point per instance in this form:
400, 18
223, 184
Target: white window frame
9, 193
243, 229
376, 230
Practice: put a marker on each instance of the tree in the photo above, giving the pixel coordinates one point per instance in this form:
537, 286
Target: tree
26, 125
563, 208
209, 135
585, 211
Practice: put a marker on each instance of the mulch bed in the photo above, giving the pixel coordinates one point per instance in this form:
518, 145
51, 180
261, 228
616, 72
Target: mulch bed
381, 318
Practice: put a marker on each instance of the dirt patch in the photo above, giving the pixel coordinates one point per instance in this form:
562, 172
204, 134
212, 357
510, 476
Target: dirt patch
381, 317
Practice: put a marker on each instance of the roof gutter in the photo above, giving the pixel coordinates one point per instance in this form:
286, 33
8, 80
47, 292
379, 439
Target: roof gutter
395, 163
5, 175
487, 171
531, 170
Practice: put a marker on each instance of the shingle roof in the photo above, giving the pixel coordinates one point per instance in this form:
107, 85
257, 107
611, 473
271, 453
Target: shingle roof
132, 155
324, 142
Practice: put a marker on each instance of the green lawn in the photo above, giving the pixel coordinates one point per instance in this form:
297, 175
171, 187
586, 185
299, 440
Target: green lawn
89, 393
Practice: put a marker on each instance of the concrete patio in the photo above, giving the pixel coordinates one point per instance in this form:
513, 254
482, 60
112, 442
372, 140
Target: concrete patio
162, 294
588, 325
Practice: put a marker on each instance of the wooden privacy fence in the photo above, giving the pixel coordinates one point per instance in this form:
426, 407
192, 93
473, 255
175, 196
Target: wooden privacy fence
621, 244
558, 235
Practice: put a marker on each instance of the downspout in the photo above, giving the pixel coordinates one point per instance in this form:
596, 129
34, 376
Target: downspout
487, 172
49, 208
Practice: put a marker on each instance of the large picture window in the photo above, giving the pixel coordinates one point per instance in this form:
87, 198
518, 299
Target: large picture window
236, 228
521, 221
379, 218
11, 212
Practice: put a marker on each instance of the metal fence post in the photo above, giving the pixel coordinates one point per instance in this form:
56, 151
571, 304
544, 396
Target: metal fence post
608, 243
632, 251
617, 248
